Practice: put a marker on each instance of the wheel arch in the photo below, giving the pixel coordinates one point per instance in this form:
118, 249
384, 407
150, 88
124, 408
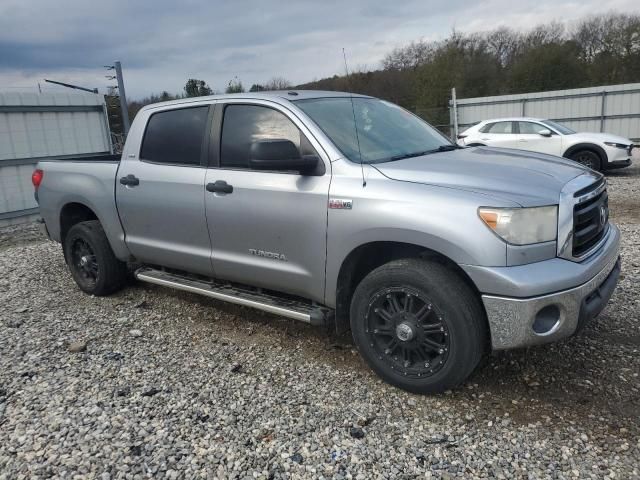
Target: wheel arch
364, 258
73, 213
592, 147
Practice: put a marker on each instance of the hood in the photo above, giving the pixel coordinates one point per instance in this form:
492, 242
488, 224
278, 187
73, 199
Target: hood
526, 178
600, 137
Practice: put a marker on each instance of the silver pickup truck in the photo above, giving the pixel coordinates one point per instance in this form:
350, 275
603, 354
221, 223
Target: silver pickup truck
345, 210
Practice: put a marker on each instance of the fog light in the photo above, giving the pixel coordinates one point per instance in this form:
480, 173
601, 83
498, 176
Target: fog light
547, 319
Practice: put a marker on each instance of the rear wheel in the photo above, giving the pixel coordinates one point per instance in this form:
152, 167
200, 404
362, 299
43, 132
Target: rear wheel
587, 158
418, 325
91, 261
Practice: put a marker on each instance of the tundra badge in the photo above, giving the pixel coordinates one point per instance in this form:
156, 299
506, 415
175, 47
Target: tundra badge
263, 253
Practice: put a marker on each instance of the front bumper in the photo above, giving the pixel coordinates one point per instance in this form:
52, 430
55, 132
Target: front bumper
618, 157
534, 317
618, 164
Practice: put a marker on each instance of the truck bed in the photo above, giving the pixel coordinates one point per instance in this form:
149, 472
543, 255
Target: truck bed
86, 181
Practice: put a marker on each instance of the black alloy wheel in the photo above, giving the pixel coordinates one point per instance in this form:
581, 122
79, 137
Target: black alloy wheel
91, 260
83, 260
419, 325
408, 331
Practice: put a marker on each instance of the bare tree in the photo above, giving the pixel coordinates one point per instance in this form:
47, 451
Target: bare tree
277, 83
409, 57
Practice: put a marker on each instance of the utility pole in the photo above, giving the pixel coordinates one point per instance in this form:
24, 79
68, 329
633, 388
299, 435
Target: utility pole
123, 99
124, 110
454, 103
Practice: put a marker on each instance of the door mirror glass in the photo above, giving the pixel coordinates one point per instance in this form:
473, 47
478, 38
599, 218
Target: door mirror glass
545, 132
280, 155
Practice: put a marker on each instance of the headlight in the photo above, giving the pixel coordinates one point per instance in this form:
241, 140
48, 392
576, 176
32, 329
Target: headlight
522, 226
616, 145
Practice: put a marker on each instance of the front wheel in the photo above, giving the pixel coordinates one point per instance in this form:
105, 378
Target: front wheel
587, 158
418, 325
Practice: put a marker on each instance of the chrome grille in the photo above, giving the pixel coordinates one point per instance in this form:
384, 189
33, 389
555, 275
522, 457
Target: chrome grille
590, 218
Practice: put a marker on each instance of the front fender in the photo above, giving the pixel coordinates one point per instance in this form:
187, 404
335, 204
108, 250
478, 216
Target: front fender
586, 146
440, 219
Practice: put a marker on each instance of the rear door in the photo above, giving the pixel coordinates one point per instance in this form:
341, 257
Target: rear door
160, 190
499, 134
270, 229
529, 138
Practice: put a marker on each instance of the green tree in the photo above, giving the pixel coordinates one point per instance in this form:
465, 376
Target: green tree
197, 88
552, 66
235, 86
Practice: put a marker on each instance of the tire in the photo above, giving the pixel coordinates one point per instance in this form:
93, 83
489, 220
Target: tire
91, 261
445, 342
588, 158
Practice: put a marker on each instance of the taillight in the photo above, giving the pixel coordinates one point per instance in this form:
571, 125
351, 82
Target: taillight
36, 177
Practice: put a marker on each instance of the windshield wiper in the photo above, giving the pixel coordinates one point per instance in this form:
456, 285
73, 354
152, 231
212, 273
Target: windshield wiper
409, 155
448, 148
441, 148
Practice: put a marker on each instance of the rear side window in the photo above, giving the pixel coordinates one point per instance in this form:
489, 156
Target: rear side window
244, 124
175, 136
498, 127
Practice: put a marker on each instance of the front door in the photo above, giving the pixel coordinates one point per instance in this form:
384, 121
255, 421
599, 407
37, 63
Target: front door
160, 192
268, 229
529, 138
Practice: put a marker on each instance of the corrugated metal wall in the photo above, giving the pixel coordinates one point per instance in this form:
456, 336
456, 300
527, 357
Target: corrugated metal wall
613, 109
47, 125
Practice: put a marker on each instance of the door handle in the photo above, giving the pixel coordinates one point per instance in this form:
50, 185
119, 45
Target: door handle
130, 181
220, 186
522, 140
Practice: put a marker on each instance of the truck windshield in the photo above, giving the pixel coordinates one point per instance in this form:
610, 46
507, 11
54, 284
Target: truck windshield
372, 130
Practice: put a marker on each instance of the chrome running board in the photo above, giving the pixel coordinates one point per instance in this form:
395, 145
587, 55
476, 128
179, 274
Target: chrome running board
286, 307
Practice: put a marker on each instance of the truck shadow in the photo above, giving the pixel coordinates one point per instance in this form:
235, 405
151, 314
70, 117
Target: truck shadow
557, 382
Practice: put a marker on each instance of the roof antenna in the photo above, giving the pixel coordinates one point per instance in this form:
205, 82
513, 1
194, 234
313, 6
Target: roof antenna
353, 110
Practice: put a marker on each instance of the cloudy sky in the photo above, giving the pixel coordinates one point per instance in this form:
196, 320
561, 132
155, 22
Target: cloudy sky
161, 43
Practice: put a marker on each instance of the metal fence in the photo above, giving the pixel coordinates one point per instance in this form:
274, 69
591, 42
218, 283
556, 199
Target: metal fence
44, 125
612, 109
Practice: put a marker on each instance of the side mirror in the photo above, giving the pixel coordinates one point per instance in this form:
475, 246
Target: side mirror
545, 132
281, 155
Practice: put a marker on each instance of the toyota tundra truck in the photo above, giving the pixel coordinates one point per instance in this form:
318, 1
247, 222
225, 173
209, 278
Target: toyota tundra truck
348, 211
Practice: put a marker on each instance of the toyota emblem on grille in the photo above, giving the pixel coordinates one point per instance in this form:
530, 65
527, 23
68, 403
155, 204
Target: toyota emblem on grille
603, 215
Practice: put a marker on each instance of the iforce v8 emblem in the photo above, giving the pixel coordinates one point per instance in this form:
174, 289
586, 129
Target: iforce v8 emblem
341, 203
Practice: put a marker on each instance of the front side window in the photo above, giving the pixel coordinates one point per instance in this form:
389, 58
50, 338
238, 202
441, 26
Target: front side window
499, 127
563, 129
175, 136
369, 130
530, 128
244, 124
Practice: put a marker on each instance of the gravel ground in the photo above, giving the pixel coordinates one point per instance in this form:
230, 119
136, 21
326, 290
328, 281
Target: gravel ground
152, 382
